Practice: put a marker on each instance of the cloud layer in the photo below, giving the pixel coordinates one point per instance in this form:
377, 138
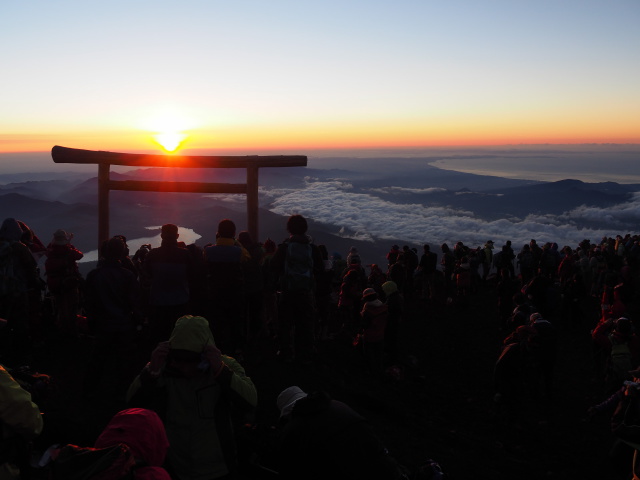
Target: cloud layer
366, 216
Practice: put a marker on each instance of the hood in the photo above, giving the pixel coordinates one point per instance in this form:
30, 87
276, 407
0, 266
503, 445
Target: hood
389, 287
191, 333
10, 230
141, 430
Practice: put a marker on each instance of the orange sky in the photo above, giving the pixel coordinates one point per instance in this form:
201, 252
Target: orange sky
301, 77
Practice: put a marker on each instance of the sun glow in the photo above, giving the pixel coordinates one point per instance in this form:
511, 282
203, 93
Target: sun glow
170, 141
169, 127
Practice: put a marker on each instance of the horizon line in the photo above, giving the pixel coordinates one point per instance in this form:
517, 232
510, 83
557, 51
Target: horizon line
365, 148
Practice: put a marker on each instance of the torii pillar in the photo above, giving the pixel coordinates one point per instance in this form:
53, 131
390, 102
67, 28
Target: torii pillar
104, 160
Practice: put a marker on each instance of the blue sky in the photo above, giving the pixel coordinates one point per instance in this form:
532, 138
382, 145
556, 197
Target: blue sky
285, 74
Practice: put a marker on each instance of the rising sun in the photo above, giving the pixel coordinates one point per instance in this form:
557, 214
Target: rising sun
168, 128
170, 141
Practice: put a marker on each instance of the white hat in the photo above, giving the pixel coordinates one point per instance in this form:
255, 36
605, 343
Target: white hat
288, 398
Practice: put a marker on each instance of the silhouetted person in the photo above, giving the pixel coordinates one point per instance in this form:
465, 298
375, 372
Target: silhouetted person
224, 264
297, 262
168, 268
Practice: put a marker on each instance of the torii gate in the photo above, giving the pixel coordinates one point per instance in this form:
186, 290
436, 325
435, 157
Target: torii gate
104, 160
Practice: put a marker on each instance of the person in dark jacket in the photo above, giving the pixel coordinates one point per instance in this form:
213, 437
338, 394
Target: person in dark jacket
112, 301
225, 263
253, 289
63, 280
428, 265
324, 438
169, 269
18, 277
297, 262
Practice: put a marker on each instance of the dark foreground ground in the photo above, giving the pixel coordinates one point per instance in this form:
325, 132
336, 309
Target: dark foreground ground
441, 408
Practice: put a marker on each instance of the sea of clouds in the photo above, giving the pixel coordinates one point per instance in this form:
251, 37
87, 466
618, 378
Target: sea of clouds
368, 217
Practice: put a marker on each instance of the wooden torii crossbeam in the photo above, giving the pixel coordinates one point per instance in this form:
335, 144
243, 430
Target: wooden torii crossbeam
104, 160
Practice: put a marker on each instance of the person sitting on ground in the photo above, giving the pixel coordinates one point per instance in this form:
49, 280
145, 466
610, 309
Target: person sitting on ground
323, 438
133, 445
193, 388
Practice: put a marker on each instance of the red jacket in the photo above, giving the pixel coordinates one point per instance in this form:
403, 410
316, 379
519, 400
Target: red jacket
374, 317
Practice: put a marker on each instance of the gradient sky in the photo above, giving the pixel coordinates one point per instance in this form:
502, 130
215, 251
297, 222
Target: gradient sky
257, 75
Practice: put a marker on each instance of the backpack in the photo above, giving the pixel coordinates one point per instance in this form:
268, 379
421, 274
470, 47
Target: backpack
61, 273
526, 260
620, 360
298, 268
9, 283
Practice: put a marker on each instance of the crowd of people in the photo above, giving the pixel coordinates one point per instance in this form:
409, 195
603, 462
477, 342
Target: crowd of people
173, 327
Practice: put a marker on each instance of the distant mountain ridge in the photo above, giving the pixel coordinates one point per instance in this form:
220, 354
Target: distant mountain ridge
70, 202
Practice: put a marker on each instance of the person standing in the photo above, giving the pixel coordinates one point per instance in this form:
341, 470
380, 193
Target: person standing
428, 265
168, 269
224, 265
297, 262
18, 276
63, 280
112, 300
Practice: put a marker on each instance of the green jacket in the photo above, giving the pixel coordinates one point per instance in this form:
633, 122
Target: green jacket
197, 411
20, 418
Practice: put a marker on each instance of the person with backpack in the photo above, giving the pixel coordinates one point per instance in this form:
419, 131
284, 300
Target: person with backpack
63, 280
526, 264
297, 262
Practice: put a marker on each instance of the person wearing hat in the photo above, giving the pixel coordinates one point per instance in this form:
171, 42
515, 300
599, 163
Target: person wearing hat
63, 280
323, 438
193, 387
374, 316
